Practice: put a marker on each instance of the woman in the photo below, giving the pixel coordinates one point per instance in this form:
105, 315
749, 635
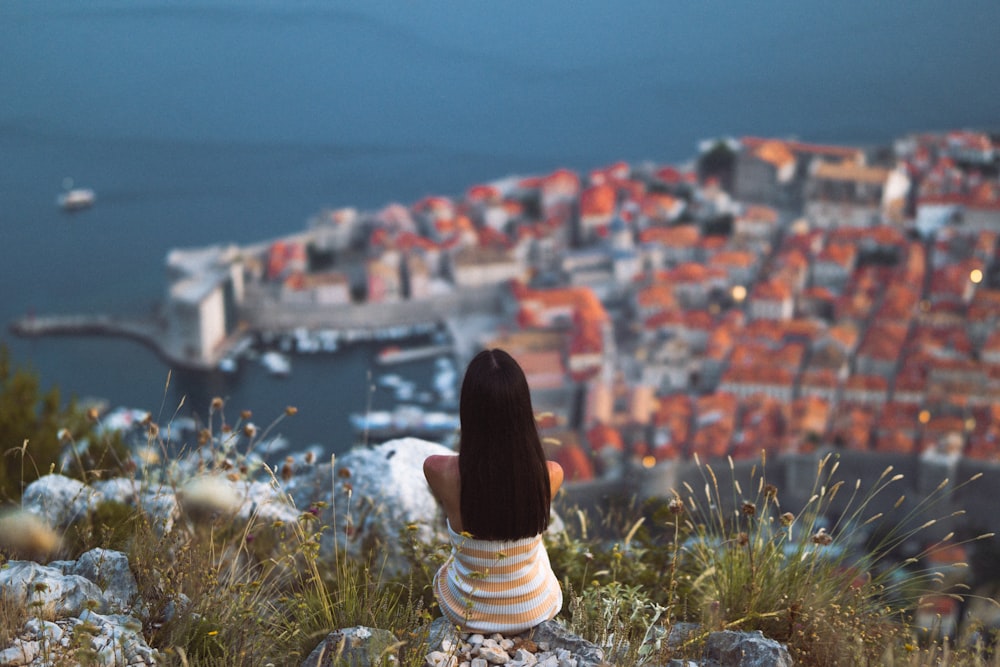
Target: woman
496, 496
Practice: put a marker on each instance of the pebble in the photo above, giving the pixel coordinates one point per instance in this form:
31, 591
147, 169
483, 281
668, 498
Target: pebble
477, 650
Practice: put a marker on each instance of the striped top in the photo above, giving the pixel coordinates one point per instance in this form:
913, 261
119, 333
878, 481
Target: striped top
492, 586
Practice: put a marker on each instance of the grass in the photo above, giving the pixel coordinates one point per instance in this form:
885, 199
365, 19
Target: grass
224, 590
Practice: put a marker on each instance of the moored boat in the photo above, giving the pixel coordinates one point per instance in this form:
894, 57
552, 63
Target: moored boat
395, 354
76, 199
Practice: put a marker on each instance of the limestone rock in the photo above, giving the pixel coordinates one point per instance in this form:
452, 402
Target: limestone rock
110, 571
557, 637
377, 492
47, 591
57, 499
353, 647
745, 649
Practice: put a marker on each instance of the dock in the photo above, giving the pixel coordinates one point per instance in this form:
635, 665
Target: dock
148, 331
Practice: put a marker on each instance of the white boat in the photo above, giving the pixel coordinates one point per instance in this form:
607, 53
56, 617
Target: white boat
404, 420
76, 199
395, 354
276, 363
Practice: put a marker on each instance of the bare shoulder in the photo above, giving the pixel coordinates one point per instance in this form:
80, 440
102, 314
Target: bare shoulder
440, 466
555, 476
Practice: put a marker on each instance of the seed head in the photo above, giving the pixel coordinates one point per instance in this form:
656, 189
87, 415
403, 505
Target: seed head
246, 414
787, 518
93, 414
822, 537
217, 403
742, 539
291, 410
749, 509
676, 506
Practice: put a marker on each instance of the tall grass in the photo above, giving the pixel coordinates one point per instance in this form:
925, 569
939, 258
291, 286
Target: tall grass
729, 556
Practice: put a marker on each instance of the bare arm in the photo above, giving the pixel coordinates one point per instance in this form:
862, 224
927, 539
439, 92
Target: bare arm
555, 477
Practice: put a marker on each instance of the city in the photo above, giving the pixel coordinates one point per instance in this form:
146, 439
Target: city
773, 295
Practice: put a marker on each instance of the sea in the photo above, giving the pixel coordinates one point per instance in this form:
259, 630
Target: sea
204, 122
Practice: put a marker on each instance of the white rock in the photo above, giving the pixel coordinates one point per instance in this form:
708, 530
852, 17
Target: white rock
57, 499
479, 662
507, 644
525, 657
380, 491
476, 639
48, 591
439, 659
493, 654
46, 631
110, 571
19, 653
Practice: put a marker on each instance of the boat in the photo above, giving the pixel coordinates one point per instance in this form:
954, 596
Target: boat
404, 420
276, 363
76, 199
395, 354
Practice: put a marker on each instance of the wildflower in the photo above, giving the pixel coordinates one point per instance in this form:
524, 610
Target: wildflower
204, 436
246, 414
822, 537
787, 518
770, 491
310, 458
249, 430
291, 410
287, 471
217, 403
749, 509
676, 506
742, 539
92, 414
344, 472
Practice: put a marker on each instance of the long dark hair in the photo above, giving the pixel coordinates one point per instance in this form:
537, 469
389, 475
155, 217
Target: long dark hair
505, 492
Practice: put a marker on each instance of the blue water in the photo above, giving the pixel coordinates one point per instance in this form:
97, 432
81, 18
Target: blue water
209, 122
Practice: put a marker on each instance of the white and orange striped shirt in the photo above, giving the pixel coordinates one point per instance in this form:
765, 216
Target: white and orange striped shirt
492, 586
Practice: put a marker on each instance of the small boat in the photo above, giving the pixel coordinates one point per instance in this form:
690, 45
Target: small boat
395, 354
76, 199
404, 420
276, 363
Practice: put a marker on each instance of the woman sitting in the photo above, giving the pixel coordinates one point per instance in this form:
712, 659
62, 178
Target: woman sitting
496, 495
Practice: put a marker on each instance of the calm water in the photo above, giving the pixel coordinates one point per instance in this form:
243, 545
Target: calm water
208, 122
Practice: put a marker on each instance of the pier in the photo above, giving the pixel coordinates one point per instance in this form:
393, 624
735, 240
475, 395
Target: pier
148, 331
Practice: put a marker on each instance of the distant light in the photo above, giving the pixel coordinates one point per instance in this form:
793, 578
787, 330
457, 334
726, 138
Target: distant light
739, 293
648, 461
976, 276
924, 416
